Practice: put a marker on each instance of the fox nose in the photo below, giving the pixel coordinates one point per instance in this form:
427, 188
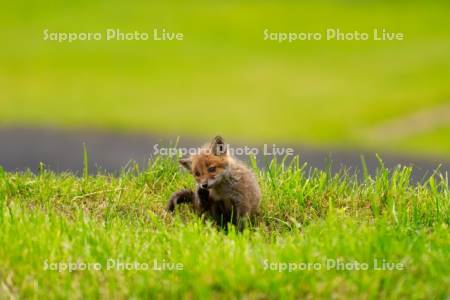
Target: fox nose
204, 185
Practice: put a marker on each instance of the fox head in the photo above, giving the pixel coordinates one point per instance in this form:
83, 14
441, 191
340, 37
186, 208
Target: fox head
210, 166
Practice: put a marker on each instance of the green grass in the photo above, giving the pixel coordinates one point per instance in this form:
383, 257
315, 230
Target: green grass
439, 137
328, 92
307, 216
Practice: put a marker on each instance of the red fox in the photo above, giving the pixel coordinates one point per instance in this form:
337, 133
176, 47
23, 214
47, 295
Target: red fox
227, 190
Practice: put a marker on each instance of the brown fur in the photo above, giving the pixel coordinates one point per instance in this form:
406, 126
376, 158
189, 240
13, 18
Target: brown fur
227, 190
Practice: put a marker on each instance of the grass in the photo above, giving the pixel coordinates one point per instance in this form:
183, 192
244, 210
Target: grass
307, 216
434, 136
225, 68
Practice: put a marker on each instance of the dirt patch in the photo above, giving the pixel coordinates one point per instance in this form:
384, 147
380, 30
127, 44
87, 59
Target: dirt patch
413, 124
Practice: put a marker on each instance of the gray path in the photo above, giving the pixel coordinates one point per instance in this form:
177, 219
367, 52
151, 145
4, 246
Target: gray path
62, 150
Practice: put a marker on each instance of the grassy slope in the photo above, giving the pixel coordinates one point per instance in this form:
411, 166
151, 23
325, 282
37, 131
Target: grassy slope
313, 92
438, 137
305, 217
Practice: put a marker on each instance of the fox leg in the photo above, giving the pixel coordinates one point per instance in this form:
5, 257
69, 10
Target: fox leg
238, 219
201, 201
219, 214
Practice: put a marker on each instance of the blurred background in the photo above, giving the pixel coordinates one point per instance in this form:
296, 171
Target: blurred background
346, 96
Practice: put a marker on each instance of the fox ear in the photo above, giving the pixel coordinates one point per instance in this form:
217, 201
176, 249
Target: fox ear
218, 146
186, 163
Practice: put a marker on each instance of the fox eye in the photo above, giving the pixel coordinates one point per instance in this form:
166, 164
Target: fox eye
211, 169
197, 173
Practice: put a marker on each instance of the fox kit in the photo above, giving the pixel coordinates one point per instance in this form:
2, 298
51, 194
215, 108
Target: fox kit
227, 190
